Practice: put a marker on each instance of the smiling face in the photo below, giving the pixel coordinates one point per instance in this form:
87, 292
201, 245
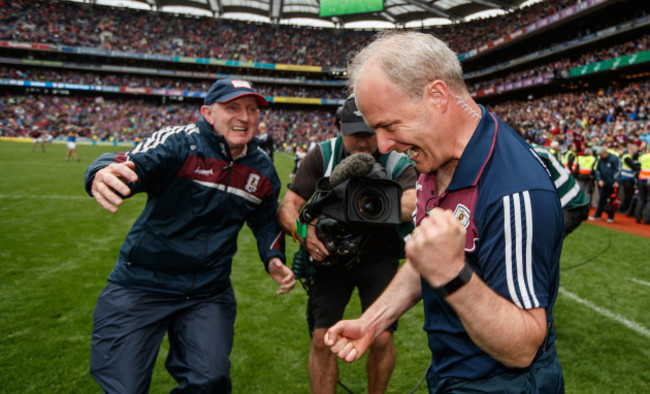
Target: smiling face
401, 124
235, 120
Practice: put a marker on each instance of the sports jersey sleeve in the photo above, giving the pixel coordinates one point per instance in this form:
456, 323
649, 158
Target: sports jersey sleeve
520, 246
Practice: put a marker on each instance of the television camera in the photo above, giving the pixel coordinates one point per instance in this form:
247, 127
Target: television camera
357, 195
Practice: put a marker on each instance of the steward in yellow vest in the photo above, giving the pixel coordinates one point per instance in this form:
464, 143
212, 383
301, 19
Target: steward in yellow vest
629, 170
585, 176
642, 207
570, 161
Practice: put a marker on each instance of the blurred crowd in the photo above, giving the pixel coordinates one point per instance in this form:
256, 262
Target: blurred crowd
599, 116
149, 32
550, 69
155, 82
128, 119
574, 59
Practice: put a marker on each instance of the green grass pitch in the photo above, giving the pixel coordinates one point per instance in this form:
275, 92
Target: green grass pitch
57, 247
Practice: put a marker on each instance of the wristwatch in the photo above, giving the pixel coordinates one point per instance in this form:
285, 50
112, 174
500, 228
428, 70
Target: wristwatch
456, 283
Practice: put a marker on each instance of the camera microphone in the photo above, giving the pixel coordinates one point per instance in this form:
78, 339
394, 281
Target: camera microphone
356, 165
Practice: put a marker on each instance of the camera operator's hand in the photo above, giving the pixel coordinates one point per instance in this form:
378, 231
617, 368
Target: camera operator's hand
315, 247
282, 275
436, 248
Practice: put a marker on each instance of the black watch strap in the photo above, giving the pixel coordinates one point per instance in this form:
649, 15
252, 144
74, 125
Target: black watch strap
461, 279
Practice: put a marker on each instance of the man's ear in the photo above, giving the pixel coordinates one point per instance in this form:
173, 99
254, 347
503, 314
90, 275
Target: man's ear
437, 90
206, 111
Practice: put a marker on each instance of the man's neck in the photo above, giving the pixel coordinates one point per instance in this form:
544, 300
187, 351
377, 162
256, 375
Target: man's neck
444, 175
236, 153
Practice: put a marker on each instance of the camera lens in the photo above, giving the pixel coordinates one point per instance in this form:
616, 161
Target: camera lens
370, 205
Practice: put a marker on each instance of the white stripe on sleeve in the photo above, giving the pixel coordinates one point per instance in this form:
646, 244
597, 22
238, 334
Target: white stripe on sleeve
519, 251
519, 232
529, 247
508, 250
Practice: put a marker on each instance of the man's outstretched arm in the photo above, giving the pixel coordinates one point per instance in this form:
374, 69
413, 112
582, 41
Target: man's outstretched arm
110, 184
350, 339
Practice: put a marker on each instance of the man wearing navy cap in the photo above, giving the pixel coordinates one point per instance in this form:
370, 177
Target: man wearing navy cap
370, 270
172, 275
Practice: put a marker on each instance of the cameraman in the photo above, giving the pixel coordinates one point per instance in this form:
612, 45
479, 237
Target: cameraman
377, 259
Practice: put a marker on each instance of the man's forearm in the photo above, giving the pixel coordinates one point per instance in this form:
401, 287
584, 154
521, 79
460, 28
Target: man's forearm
289, 210
287, 218
402, 293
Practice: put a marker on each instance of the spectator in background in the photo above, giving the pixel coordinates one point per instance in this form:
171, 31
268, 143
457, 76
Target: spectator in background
38, 138
608, 177
301, 152
554, 149
265, 140
642, 211
586, 164
172, 276
629, 174
569, 159
313, 142
71, 142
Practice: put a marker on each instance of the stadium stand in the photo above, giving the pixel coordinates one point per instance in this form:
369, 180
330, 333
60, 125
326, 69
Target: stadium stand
544, 68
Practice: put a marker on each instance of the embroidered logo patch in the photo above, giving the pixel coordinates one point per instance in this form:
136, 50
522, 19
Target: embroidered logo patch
462, 214
202, 171
237, 84
252, 183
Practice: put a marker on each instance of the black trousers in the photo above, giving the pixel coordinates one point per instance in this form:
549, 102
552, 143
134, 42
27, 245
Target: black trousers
604, 194
642, 204
627, 186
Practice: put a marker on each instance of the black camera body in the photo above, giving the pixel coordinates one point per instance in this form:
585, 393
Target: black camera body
371, 200
366, 201
348, 210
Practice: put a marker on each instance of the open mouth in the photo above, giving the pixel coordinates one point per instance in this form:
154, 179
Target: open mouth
239, 128
412, 152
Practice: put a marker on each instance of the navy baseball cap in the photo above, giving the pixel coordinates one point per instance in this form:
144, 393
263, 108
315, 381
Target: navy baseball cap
225, 90
351, 119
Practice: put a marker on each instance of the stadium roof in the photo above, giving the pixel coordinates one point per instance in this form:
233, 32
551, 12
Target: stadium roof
396, 13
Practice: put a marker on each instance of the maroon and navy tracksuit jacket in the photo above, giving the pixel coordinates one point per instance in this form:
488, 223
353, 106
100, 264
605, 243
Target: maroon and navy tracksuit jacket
198, 200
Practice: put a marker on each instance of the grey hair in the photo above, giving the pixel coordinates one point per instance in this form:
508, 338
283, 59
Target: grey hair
411, 60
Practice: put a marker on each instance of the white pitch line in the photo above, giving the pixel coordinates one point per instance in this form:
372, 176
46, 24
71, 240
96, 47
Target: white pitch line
46, 197
632, 325
639, 281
